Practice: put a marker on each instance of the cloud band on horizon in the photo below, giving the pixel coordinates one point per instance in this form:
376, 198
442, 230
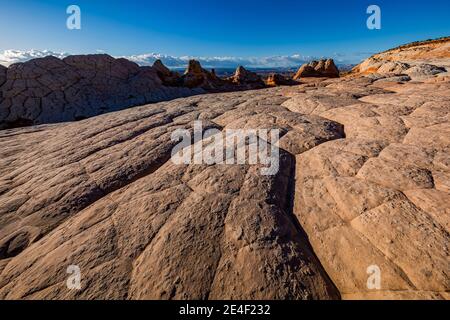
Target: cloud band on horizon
8, 57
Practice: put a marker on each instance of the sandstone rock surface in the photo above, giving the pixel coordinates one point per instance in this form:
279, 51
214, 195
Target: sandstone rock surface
373, 197
244, 77
322, 68
196, 76
136, 223
169, 78
276, 79
419, 60
48, 90
363, 184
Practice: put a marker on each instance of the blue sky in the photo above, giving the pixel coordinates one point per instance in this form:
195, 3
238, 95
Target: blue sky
243, 28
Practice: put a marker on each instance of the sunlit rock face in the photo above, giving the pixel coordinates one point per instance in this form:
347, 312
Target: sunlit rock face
322, 68
362, 192
419, 60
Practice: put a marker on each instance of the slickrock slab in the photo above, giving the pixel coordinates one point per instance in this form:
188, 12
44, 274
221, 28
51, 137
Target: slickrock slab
373, 199
421, 60
102, 194
364, 181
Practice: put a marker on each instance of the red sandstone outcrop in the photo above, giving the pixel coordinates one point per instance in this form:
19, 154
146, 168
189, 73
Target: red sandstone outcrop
196, 76
276, 79
244, 77
322, 68
419, 60
168, 77
47, 90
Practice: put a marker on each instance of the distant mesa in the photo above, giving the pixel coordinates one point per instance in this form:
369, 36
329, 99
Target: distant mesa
322, 68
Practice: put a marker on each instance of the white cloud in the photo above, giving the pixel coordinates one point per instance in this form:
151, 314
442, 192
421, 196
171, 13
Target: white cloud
7, 57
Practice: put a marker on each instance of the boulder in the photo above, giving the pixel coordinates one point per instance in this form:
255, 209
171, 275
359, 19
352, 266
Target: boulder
276, 79
322, 68
368, 67
306, 70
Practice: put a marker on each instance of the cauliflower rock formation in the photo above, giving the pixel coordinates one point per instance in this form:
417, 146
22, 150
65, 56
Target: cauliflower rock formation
322, 68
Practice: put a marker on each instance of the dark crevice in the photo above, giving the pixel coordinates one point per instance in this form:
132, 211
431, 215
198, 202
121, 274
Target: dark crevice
289, 209
18, 123
15, 245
